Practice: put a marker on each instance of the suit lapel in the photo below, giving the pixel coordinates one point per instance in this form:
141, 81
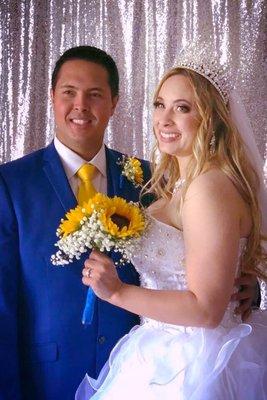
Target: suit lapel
113, 174
55, 173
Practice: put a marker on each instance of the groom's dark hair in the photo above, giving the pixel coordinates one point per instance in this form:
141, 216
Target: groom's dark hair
91, 54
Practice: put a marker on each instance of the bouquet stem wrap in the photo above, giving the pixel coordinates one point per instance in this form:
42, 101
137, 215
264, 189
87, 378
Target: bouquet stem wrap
88, 312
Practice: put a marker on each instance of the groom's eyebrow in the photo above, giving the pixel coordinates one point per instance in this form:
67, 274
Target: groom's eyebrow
67, 86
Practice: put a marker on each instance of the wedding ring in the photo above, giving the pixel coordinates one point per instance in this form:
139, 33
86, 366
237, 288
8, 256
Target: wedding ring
88, 272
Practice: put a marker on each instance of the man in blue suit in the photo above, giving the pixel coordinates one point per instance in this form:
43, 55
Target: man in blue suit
45, 350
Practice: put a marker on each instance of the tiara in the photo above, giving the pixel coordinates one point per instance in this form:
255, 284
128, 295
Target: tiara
199, 59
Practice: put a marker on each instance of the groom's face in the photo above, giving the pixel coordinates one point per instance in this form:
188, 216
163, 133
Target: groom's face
83, 105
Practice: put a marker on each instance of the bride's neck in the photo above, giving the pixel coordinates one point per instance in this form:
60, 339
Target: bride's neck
183, 164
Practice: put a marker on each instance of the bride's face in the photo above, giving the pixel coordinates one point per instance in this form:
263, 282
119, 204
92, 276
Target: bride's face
175, 117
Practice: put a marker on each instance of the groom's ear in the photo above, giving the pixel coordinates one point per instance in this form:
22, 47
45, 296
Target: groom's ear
52, 96
114, 101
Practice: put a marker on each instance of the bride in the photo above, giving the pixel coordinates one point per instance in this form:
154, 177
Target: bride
204, 231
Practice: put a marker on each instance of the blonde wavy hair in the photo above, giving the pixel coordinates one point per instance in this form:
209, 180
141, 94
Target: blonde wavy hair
229, 156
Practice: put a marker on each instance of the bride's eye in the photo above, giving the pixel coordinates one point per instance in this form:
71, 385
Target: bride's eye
158, 104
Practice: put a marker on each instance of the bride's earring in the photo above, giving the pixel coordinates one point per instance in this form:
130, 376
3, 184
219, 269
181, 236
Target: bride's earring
212, 144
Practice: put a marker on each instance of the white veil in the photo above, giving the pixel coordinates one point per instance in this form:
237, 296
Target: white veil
242, 123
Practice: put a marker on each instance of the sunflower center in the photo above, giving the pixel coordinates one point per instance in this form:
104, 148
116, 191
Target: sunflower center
120, 221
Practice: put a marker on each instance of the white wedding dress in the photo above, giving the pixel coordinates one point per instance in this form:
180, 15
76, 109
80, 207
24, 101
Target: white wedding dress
159, 361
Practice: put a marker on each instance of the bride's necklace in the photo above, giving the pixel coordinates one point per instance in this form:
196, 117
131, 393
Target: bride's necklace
178, 185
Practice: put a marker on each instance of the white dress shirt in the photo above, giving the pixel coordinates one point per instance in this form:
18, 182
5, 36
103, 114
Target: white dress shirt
72, 162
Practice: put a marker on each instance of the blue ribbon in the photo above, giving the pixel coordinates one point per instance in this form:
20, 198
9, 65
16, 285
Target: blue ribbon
88, 312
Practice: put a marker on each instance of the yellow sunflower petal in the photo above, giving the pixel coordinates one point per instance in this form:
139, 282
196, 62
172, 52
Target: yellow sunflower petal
71, 223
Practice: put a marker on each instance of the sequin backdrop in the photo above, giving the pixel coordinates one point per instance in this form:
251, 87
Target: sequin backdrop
144, 37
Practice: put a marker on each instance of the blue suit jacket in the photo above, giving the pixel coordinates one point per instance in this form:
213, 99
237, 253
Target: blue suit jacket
44, 349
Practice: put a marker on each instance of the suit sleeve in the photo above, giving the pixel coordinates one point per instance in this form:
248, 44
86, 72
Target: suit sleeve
9, 279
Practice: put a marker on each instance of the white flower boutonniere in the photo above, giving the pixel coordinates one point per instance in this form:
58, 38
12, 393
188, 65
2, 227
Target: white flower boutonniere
132, 170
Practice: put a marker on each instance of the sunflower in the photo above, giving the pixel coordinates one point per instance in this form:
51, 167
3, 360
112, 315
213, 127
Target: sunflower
73, 218
98, 202
121, 219
71, 223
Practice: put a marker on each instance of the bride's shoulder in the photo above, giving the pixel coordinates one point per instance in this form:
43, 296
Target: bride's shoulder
212, 183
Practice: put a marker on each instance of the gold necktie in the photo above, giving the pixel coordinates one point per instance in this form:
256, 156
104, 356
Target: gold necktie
86, 188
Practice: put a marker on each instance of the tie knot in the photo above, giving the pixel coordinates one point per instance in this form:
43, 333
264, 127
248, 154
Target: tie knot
85, 173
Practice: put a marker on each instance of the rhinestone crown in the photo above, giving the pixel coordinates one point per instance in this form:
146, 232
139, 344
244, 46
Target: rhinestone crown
200, 60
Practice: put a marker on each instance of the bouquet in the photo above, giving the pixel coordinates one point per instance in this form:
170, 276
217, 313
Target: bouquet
102, 223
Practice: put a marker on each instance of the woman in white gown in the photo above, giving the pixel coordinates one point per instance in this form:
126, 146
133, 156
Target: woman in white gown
204, 231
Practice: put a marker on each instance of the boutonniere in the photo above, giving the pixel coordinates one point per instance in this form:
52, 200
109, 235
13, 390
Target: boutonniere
132, 170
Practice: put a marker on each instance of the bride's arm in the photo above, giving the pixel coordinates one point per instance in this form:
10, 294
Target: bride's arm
211, 225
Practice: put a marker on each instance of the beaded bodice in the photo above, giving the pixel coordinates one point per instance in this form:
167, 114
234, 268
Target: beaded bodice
160, 261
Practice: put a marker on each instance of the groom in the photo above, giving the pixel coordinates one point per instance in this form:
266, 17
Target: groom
45, 350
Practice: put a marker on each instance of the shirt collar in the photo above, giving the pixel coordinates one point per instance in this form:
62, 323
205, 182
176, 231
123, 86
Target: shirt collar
72, 161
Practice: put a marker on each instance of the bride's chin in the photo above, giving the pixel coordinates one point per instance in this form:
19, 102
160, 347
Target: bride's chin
167, 150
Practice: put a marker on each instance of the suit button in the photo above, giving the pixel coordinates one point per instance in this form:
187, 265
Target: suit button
101, 339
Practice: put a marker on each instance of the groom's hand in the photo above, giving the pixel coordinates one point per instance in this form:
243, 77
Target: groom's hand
248, 290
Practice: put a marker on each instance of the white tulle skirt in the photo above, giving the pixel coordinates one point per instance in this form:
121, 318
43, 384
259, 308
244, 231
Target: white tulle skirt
157, 361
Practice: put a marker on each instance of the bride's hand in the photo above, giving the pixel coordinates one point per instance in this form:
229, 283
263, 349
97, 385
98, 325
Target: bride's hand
100, 273
246, 295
